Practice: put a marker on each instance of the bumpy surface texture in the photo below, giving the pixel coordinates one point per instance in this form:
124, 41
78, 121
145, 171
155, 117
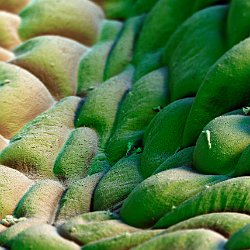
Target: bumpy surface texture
124, 124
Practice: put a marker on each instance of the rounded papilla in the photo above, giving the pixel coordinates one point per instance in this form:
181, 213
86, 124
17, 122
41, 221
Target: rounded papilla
217, 198
163, 136
224, 89
224, 223
6, 237
143, 6
92, 64
74, 159
35, 148
117, 184
185, 240
162, 193
122, 50
243, 165
238, 18
181, 158
40, 201
52, 59
216, 151
102, 104
9, 24
145, 99
41, 237
239, 240
79, 190
159, 24
13, 186
76, 19
122, 241
83, 231
116, 9
15, 109
188, 54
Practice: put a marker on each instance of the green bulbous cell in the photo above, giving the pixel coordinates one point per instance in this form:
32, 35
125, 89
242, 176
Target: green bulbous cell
160, 23
92, 217
99, 163
77, 199
200, 4
74, 160
117, 9
225, 88
189, 55
122, 50
149, 63
224, 223
216, 151
184, 157
237, 22
117, 184
122, 241
162, 193
102, 104
141, 104
163, 136
7, 236
143, 6
243, 165
185, 240
228, 196
92, 65
239, 240
100, 225
42, 237
40, 201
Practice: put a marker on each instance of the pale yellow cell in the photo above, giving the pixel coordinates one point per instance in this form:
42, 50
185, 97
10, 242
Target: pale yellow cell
22, 98
9, 24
